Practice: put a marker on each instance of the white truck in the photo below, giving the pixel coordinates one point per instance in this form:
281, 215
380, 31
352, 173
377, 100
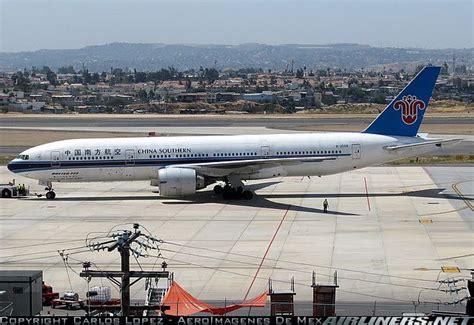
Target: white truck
9, 190
12, 190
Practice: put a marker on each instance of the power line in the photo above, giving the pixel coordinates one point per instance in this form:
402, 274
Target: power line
300, 263
42, 252
282, 281
42, 244
301, 271
40, 257
64, 258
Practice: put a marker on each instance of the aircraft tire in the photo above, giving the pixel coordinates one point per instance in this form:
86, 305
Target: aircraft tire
230, 193
218, 189
227, 195
50, 195
247, 195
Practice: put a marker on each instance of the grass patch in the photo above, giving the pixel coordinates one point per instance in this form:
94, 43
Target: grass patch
4, 159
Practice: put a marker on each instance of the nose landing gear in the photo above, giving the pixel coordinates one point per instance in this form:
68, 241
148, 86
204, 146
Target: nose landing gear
50, 195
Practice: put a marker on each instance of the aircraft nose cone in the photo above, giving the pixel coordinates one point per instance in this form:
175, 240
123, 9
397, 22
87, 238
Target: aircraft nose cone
11, 166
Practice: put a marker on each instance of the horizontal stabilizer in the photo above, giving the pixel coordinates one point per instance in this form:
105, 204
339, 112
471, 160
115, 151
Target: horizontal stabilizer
439, 143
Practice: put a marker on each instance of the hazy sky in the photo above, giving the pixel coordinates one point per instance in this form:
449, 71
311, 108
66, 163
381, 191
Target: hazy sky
40, 24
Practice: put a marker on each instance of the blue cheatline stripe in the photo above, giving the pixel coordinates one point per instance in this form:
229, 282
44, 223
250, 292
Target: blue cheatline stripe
26, 166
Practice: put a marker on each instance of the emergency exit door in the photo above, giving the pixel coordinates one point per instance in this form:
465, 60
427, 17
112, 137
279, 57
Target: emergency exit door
356, 151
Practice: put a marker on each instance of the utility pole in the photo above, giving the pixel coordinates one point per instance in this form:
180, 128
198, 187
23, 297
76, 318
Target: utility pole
124, 250
123, 241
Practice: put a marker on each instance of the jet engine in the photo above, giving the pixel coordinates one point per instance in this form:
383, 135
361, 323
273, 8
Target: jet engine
176, 182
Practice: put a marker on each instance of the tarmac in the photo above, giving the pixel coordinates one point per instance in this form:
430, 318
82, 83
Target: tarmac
392, 233
205, 121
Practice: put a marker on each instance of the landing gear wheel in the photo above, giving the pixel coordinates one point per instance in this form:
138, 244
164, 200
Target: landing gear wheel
228, 194
50, 195
247, 195
218, 189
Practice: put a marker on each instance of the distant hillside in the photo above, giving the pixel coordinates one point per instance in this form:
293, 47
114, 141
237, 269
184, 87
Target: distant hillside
145, 57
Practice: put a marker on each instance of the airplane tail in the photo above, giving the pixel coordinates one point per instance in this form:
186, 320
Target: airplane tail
405, 112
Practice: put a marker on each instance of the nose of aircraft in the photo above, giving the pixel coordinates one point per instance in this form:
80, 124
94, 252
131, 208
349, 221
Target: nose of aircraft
11, 165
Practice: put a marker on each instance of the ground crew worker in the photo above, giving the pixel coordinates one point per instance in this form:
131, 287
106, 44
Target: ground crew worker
325, 205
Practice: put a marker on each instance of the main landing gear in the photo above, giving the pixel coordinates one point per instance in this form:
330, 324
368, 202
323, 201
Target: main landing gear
230, 193
233, 189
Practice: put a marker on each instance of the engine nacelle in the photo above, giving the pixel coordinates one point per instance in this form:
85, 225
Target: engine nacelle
176, 182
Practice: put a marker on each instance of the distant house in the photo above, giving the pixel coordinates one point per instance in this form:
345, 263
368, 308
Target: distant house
227, 97
90, 109
196, 97
37, 97
126, 99
328, 98
4, 99
303, 98
263, 97
54, 109
390, 90
64, 100
25, 106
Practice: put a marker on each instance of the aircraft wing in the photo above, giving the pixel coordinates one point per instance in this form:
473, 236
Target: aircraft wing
223, 168
438, 143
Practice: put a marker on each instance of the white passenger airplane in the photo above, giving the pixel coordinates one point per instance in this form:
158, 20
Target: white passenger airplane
180, 166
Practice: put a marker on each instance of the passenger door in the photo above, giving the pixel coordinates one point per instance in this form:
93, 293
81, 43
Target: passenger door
55, 159
356, 151
265, 151
130, 157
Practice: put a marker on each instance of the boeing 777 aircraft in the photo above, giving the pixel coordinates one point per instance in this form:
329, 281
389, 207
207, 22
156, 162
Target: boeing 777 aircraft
180, 166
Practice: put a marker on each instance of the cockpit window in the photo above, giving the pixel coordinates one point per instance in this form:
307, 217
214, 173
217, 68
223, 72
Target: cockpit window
23, 157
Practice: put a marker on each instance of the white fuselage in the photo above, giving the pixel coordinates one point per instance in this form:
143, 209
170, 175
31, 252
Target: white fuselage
128, 159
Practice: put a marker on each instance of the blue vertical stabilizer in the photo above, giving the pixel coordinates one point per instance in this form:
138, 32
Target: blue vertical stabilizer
404, 114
